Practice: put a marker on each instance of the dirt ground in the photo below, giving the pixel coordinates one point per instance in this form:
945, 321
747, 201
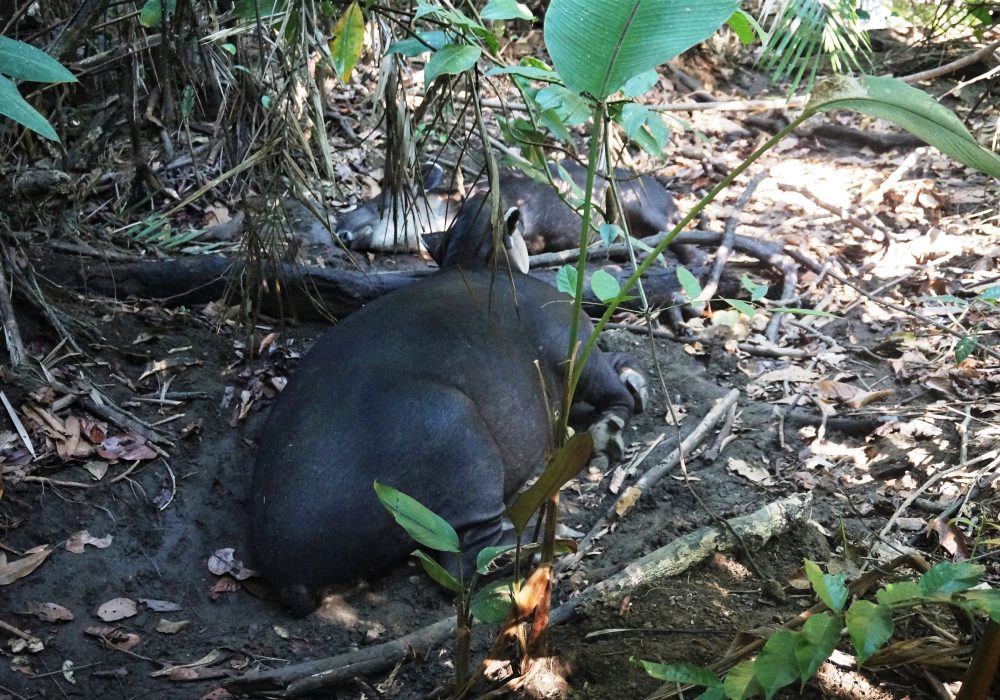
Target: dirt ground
159, 524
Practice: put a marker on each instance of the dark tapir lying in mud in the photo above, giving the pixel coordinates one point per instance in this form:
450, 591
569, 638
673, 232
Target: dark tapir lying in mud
547, 222
433, 390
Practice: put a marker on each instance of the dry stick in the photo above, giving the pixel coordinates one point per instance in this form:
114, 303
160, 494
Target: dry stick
15, 347
18, 425
839, 211
958, 64
856, 588
312, 675
790, 281
687, 551
627, 500
725, 248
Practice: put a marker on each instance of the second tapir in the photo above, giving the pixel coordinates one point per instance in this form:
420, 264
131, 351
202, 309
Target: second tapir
444, 390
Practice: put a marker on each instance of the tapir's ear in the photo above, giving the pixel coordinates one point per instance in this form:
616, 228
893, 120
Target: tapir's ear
433, 177
434, 243
517, 251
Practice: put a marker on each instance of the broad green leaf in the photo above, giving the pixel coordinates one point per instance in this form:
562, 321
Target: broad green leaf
551, 120
15, 108
527, 72
688, 674
610, 233
989, 294
605, 285
950, 577
713, 694
658, 130
566, 280
451, 60
757, 291
640, 84
740, 681
505, 9
493, 603
816, 642
987, 600
633, 118
348, 41
563, 466
420, 523
570, 107
228, 48
830, 589
909, 108
743, 307
419, 44
776, 666
487, 555
870, 627
23, 61
689, 283
437, 572
599, 45
744, 26
900, 592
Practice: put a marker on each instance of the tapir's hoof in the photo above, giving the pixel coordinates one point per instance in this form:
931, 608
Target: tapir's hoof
607, 436
638, 387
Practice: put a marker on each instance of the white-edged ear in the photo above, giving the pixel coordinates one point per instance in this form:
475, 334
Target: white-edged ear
433, 176
513, 241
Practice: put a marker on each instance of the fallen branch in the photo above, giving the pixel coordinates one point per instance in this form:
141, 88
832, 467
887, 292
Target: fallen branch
633, 493
687, 551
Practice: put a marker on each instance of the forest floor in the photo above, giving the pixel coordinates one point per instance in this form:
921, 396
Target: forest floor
124, 562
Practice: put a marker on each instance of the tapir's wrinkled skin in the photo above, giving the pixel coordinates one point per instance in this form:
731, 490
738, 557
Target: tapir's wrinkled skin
432, 390
547, 222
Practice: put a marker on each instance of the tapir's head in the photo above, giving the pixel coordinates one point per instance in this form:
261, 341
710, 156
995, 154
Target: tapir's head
379, 219
469, 240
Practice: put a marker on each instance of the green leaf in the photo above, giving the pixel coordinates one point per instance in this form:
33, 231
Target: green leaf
987, 600
910, 108
610, 233
487, 555
640, 84
506, 9
633, 118
744, 26
24, 62
348, 41
437, 572
713, 694
816, 642
247, 10
757, 291
15, 108
689, 283
688, 674
950, 577
776, 666
870, 627
228, 48
551, 120
605, 285
420, 523
741, 682
801, 312
543, 73
569, 106
451, 60
563, 466
900, 592
989, 294
658, 130
830, 589
420, 44
964, 348
566, 280
599, 45
744, 308
493, 603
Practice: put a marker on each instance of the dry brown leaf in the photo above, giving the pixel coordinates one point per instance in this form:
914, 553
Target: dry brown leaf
788, 374
217, 694
224, 561
170, 626
836, 390
628, 499
78, 541
950, 537
866, 397
96, 469
160, 605
117, 609
222, 586
11, 571
182, 674
49, 612
756, 474
114, 636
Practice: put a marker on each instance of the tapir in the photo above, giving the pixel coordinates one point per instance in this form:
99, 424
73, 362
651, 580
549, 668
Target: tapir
547, 222
447, 390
